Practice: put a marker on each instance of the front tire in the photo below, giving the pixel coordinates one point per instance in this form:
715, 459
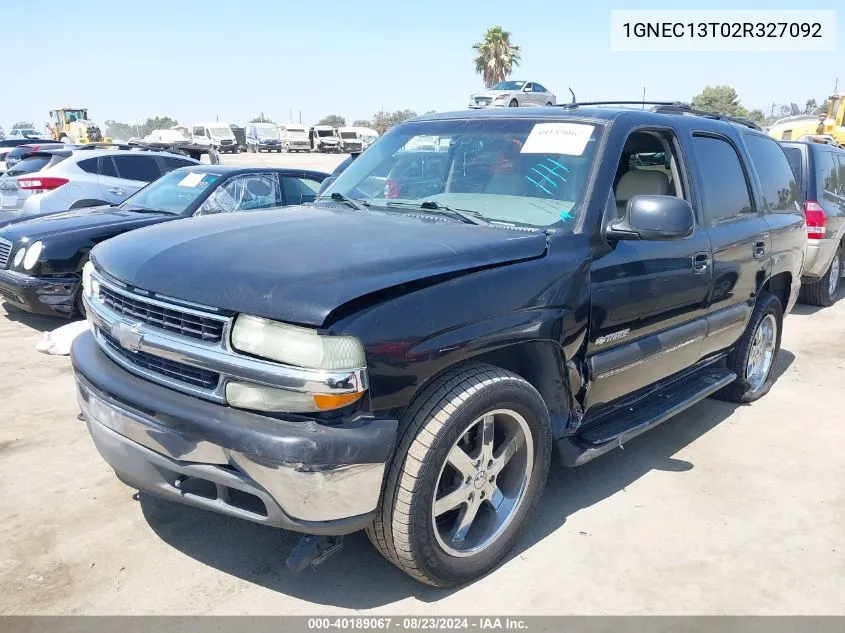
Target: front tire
823, 292
753, 359
466, 477
513, 104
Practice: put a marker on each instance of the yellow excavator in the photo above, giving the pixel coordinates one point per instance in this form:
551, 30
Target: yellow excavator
71, 125
811, 127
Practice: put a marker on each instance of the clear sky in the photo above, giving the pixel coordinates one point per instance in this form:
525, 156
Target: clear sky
194, 60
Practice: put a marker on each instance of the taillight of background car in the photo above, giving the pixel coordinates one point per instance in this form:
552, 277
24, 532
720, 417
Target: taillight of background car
39, 184
816, 220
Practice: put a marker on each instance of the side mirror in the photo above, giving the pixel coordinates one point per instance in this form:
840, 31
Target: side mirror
526, 89
654, 218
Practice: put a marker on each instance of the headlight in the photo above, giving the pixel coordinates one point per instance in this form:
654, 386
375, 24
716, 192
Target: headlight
32, 255
19, 257
299, 346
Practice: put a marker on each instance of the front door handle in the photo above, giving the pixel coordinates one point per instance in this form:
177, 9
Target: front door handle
759, 249
117, 191
701, 262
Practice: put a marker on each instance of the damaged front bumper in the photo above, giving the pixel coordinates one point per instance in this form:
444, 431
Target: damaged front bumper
294, 474
53, 296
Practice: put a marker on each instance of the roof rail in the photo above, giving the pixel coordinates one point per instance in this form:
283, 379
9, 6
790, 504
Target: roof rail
670, 107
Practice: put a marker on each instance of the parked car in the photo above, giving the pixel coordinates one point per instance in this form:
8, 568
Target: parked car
25, 132
215, 134
513, 94
346, 162
16, 154
60, 179
261, 137
405, 361
41, 260
350, 141
8, 144
324, 138
295, 137
820, 171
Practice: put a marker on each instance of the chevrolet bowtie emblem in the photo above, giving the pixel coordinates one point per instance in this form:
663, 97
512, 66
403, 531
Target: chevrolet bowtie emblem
129, 336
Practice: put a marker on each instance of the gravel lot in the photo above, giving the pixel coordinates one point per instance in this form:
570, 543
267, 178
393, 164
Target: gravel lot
723, 510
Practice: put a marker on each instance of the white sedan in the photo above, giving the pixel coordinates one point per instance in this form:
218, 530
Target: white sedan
513, 94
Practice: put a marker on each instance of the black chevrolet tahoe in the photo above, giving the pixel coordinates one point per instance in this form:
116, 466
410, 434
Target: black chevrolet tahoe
404, 355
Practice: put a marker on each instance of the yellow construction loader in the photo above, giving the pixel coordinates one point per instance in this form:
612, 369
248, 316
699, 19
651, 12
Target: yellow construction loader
71, 125
806, 126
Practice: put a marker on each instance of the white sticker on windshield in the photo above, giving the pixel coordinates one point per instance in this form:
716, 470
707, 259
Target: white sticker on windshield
558, 138
191, 180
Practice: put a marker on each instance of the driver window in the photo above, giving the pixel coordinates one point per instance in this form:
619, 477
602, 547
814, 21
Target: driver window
243, 193
648, 166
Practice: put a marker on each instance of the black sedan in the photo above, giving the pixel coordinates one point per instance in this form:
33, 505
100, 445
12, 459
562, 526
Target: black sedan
41, 259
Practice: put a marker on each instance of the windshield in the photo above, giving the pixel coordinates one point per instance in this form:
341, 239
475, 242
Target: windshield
223, 132
508, 85
512, 171
172, 193
267, 131
325, 132
76, 115
348, 135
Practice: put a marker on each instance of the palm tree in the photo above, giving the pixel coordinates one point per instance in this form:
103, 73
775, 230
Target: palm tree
496, 56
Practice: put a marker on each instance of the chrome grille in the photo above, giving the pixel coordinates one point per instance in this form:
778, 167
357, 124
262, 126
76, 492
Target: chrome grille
168, 368
171, 319
5, 250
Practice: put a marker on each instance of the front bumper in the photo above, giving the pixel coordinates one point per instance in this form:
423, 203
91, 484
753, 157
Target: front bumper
296, 474
42, 295
818, 256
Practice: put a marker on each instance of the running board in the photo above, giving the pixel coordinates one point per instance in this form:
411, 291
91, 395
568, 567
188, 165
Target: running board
615, 428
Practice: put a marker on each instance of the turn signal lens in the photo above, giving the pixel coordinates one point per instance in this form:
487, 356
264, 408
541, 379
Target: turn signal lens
326, 402
246, 395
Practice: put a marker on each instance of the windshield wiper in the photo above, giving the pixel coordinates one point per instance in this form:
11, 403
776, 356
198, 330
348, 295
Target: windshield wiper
141, 209
358, 205
465, 215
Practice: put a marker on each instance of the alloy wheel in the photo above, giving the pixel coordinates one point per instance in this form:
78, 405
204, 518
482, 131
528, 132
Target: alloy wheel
762, 353
482, 482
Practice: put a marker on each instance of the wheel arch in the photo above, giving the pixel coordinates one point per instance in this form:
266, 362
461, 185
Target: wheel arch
539, 362
779, 285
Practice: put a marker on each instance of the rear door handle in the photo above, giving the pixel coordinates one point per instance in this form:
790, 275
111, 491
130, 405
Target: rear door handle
759, 250
116, 191
700, 262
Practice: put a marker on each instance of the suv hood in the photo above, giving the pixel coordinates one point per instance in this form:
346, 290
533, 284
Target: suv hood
88, 219
302, 263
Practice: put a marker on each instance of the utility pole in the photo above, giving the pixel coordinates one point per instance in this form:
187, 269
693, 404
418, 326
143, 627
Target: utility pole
643, 97
773, 108
300, 116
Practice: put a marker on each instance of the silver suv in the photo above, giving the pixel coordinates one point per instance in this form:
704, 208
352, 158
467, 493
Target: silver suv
59, 179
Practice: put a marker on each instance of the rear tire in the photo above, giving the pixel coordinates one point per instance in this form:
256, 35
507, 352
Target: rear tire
750, 385
488, 402
823, 292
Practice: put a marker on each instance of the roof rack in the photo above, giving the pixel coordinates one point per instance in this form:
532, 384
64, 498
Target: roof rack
668, 107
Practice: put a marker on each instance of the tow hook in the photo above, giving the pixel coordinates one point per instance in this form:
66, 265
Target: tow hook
311, 550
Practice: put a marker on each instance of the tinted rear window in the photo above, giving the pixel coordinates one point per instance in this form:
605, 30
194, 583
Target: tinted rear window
775, 172
29, 165
793, 155
141, 168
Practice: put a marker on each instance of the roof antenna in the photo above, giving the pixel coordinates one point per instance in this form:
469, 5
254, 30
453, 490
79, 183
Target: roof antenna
573, 96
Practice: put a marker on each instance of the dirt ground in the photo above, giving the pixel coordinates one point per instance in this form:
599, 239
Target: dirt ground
723, 510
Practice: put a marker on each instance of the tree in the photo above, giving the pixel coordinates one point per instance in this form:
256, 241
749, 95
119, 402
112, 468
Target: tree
811, 106
362, 123
22, 125
430, 112
261, 119
334, 120
720, 99
158, 123
383, 120
496, 56
757, 116
785, 111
